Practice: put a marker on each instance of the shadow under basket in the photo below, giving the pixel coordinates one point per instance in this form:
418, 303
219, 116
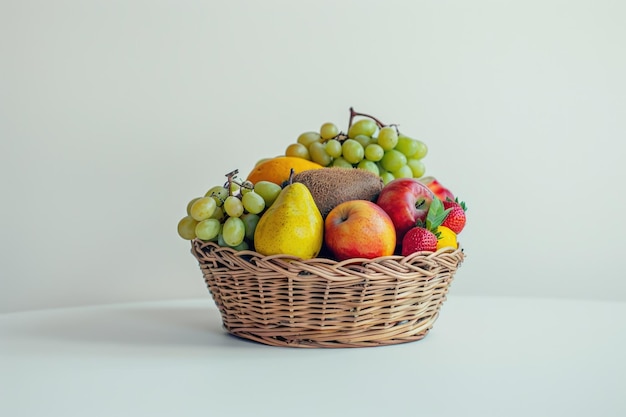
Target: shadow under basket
282, 300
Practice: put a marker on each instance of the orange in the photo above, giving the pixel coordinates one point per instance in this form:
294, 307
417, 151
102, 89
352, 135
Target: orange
277, 169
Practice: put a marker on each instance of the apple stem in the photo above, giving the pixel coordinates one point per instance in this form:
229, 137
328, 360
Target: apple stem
354, 114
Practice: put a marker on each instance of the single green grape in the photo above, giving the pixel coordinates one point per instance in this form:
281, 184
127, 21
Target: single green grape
220, 238
387, 138
208, 229
307, 138
422, 150
242, 246
403, 172
319, 155
393, 160
218, 214
268, 190
380, 168
365, 127
333, 148
408, 146
363, 140
203, 208
328, 130
253, 202
250, 220
369, 166
352, 151
233, 231
218, 193
387, 177
187, 228
374, 152
190, 204
298, 150
341, 163
417, 167
233, 206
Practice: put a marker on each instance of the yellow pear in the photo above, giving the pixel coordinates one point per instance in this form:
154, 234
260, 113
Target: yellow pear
293, 225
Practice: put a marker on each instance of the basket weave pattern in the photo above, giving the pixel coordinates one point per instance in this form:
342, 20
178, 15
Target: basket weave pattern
285, 301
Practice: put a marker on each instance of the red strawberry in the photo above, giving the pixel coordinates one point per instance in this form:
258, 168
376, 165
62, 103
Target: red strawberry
455, 220
418, 239
424, 236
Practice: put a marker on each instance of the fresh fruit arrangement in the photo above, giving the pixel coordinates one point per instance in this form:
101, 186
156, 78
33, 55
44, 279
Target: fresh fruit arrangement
336, 195
342, 241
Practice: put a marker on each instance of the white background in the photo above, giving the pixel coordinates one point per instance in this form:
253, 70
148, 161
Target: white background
113, 114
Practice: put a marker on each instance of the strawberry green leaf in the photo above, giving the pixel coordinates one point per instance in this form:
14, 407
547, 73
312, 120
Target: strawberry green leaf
461, 203
436, 214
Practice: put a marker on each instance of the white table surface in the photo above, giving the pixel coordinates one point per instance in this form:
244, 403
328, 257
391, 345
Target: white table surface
484, 357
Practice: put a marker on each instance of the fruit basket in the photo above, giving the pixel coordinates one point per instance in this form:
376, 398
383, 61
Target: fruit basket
341, 241
320, 303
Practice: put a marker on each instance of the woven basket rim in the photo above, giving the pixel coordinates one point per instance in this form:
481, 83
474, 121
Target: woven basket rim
295, 262
326, 260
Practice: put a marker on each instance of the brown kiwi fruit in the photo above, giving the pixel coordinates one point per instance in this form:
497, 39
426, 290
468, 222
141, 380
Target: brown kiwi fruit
332, 186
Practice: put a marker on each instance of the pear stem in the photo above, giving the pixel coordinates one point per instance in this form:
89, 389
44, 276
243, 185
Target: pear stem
292, 172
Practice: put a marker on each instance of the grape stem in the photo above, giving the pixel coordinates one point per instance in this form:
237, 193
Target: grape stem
354, 114
231, 177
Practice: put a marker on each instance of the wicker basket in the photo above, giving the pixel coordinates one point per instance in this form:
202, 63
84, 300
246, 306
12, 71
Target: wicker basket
285, 301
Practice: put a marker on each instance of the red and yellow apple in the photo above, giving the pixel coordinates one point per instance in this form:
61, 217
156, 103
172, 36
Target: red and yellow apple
359, 229
437, 188
406, 201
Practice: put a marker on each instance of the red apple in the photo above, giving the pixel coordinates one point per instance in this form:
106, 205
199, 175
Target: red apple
359, 229
406, 201
439, 190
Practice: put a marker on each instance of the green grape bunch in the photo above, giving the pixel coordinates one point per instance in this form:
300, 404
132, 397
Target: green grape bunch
228, 214
368, 144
